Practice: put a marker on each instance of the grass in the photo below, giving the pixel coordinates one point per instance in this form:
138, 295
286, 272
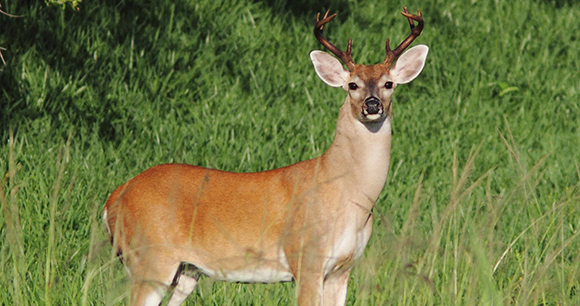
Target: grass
482, 204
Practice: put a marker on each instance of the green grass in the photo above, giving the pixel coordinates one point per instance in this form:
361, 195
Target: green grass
482, 204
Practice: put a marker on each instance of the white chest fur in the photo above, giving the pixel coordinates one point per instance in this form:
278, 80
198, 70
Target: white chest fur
350, 244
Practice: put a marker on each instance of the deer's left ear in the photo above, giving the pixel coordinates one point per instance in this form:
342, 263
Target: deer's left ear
329, 69
409, 65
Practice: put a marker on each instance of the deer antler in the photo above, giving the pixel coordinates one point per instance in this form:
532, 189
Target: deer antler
344, 56
415, 32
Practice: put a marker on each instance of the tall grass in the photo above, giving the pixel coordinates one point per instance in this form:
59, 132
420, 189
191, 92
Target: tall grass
482, 204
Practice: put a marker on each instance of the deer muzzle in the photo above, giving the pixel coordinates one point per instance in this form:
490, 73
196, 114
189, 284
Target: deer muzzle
372, 106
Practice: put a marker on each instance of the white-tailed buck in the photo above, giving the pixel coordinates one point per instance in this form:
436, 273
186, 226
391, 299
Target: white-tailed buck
306, 222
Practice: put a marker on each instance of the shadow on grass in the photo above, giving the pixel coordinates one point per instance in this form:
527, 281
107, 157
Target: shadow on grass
68, 43
306, 10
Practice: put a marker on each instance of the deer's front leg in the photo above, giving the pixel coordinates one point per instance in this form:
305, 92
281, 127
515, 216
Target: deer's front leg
307, 268
335, 288
310, 290
309, 279
314, 290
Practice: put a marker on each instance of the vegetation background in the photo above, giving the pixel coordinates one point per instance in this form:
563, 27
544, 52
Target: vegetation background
482, 204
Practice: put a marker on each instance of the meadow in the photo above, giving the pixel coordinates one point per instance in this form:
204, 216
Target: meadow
482, 203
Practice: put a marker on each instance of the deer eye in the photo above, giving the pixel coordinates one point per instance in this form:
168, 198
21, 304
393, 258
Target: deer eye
352, 86
389, 85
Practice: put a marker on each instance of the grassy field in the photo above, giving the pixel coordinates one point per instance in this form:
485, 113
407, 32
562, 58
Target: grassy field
482, 204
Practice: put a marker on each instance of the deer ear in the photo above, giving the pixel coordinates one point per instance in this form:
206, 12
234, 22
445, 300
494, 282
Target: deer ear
329, 69
409, 65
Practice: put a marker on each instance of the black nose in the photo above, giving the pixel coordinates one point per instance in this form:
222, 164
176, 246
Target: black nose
372, 105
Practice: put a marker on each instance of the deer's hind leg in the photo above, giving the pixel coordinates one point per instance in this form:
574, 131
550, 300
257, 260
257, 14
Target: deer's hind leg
153, 277
183, 284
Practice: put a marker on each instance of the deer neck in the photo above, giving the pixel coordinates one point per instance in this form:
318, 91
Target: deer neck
359, 157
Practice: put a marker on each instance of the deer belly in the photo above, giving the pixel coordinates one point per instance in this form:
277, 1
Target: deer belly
255, 270
254, 275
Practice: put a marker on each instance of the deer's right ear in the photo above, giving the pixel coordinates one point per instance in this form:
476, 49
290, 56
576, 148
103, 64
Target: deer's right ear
329, 69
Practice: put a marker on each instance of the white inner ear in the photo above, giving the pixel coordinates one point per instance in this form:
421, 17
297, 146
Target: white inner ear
409, 65
329, 69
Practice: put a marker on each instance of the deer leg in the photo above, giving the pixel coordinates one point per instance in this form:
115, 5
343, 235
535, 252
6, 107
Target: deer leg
309, 290
308, 277
335, 288
184, 282
152, 277
147, 292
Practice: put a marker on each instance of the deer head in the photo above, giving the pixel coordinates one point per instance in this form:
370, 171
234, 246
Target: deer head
370, 87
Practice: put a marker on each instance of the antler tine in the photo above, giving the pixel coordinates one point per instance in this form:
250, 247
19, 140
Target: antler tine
415, 32
346, 57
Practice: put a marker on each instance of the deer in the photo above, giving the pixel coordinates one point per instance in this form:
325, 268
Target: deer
307, 222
